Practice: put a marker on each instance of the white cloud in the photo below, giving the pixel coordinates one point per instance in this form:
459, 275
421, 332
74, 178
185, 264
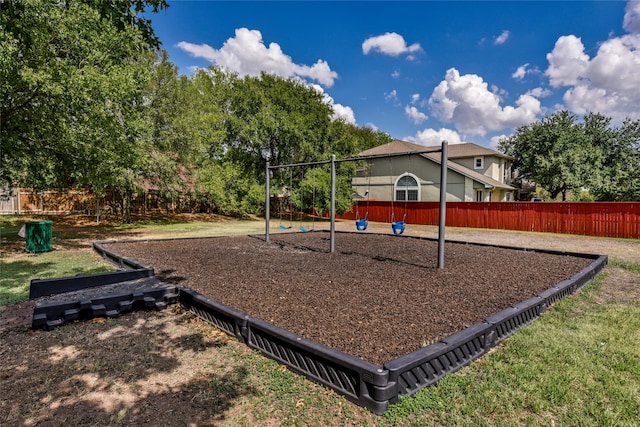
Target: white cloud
342, 112
567, 61
631, 21
502, 38
466, 101
415, 115
608, 83
523, 70
520, 72
395, 74
392, 44
435, 137
415, 98
538, 92
247, 54
371, 126
391, 96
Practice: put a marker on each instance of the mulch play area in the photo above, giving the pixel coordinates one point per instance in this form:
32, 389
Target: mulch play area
377, 297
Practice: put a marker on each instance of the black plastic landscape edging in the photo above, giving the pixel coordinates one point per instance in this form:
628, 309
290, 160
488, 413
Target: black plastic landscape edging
132, 270
361, 382
46, 287
376, 387
52, 315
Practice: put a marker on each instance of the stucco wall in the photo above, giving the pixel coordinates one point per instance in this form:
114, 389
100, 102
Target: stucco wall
384, 173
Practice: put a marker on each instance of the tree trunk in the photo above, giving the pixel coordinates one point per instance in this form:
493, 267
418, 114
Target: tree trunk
126, 207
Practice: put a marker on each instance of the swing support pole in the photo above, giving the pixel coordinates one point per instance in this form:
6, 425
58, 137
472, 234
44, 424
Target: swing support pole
443, 202
267, 204
332, 233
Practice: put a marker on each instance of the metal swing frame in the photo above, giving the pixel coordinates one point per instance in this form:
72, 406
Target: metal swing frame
443, 191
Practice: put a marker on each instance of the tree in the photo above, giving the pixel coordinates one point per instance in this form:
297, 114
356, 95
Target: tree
552, 153
283, 117
615, 164
71, 103
560, 154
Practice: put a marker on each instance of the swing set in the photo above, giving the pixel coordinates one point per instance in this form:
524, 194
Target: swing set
287, 194
398, 227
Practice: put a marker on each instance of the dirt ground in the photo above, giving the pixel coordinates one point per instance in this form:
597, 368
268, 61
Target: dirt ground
378, 297
169, 368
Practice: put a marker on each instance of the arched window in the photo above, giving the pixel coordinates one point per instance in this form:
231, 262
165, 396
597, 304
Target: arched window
407, 188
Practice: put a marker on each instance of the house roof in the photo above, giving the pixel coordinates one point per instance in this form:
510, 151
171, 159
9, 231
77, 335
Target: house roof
469, 149
454, 151
394, 147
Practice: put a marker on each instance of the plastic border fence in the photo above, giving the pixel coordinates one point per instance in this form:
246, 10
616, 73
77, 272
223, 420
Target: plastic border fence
361, 382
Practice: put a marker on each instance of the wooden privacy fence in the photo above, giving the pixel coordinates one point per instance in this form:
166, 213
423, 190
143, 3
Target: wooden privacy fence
26, 201
604, 219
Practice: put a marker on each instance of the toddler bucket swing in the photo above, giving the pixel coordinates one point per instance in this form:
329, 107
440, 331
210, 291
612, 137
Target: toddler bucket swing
397, 227
363, 223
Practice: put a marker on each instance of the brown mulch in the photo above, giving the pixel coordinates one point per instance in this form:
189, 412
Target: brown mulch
377, 297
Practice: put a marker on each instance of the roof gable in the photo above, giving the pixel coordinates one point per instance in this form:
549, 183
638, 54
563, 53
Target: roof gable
469, 149
454, 151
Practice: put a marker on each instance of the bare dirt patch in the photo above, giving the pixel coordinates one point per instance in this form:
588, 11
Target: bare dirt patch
620, 286
146, 369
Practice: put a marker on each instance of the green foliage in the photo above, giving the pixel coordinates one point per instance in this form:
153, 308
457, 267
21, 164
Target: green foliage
615, 171
72, 99
283, 117
227, 190
563, 156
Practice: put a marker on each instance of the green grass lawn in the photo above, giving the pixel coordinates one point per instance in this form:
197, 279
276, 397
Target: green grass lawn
18, 272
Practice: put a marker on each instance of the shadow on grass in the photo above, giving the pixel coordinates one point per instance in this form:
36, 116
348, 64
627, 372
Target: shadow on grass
140, 369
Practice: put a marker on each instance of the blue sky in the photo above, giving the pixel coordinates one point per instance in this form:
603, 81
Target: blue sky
423, 71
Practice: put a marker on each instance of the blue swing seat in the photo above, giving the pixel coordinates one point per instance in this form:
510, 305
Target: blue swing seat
361, 224
284, 227
305, 230
398, 227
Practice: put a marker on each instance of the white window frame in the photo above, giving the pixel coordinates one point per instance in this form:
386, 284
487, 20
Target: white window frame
406, 189
475, 162
480, 195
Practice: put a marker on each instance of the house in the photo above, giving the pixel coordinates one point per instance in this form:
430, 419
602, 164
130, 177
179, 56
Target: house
474, 173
